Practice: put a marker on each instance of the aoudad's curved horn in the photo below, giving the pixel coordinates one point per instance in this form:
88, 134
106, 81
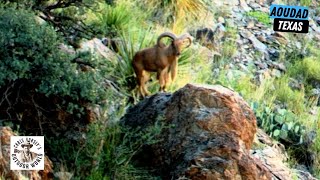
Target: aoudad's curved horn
166, 34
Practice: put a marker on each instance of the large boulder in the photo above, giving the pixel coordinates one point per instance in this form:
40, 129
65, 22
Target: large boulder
6, 173
209, 135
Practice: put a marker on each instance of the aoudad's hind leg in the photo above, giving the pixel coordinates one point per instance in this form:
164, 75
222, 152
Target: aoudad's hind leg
146, 78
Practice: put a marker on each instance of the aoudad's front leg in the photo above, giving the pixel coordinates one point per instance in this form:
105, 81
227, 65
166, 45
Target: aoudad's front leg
162, 78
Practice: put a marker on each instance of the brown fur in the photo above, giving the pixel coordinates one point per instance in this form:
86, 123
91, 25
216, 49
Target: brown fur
160, 59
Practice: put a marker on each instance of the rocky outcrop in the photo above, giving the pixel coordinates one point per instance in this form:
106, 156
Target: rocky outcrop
209, 135
6, 173
273, 156
96, 46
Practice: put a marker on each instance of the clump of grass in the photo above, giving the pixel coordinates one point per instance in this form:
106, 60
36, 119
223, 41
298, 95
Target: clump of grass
170, 10
294, 99
316, 148
109, 20
237, 80
107, 150
305, 2
308, 68
228, 49
193, 67
115, 17
260, 16
277, 90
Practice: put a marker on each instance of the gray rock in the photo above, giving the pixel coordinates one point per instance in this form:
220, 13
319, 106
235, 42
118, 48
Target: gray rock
243, 68
276, 73
264, 72
302, 172
261, 65
255, 6
221, 20
298, 45
295, 84
273, 157
67, 49
262, 38
236, 9
264, 2
245, 6
317, 20
256, 43
279, 66
219, 31
315, 92
265, 9
238, 17
96, 46
250, 24
277, 2
314, 27
274, 54
232, 2
261, 26
230, 23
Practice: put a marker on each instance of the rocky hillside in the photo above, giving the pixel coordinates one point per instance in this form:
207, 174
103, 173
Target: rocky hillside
257, 44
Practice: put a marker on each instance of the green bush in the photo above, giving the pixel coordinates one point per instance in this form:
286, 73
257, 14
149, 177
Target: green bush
29, 52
